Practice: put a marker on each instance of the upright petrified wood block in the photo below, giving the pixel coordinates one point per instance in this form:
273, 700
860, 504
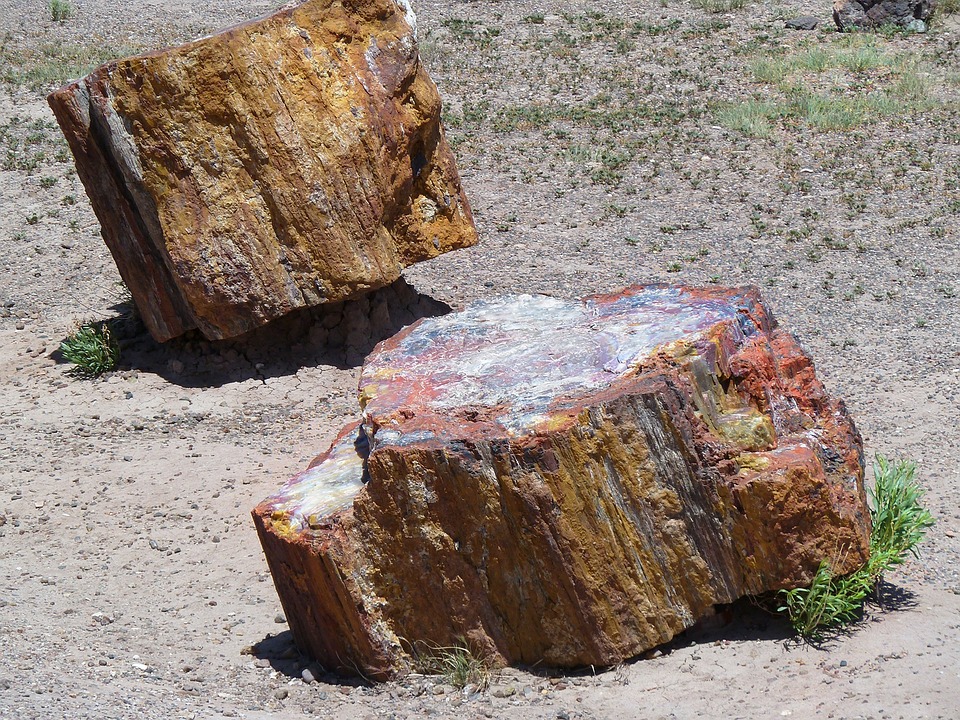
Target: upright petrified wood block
286, 162
567, 482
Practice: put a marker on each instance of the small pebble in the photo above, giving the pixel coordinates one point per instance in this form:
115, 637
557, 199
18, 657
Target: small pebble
279, 619
281, 693
843, 663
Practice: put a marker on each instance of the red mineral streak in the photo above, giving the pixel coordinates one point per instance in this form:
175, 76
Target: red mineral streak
567, 482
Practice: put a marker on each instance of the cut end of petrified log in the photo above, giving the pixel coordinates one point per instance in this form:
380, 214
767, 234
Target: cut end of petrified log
283, 163
567, 482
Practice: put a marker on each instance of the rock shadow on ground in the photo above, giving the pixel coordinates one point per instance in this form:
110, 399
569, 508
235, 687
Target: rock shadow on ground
339, 334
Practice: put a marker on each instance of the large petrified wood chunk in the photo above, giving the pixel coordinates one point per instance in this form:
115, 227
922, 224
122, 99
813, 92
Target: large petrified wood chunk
567, 482
286, 162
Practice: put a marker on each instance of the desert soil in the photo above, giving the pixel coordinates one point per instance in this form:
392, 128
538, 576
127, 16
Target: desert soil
593, 144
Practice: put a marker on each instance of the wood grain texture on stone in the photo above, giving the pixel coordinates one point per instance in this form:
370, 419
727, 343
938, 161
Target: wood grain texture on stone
287, 162
568, 483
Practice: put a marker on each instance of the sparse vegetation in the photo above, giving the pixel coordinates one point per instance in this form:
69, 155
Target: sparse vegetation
92, 349
899, 524
719, 6
27, 144
60, 10
457, 664
850, 83
598, 149
52, 64
751, 117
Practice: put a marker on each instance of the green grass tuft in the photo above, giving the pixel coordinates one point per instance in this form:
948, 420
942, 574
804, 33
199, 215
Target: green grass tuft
60, 10
92, 349
752, 117
719, 6
899, 524
52, 64
840, 86
458, 665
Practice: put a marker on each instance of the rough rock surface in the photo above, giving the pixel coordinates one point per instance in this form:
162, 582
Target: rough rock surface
804, 22
566, 482
283, 163
868, 14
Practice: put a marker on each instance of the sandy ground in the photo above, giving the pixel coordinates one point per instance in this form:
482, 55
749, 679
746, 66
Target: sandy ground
131, 581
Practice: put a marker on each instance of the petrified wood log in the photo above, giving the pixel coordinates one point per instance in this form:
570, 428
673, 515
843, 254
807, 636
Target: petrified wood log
566, 482
286, 162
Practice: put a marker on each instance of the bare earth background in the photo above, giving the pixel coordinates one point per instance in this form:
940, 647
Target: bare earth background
598, 147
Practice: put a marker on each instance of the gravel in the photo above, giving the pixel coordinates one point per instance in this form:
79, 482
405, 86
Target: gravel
590, 141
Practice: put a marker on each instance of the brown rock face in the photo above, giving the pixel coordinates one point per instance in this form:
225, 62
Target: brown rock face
290, 161
566, 482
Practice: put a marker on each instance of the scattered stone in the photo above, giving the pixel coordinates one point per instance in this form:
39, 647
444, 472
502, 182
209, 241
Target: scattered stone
308, 676
280, 619
504, 691
283, 163
806, 22
281, 693
850, 15
566, 482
